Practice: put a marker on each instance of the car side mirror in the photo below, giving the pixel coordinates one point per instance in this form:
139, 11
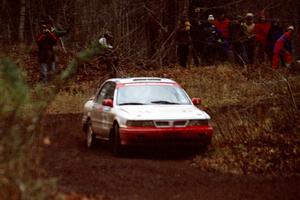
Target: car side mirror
197, 101
108, 102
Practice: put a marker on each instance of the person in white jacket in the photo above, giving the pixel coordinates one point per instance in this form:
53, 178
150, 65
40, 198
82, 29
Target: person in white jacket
109, 57
106, 40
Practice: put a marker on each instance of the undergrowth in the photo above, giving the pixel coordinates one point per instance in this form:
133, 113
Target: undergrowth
21, 110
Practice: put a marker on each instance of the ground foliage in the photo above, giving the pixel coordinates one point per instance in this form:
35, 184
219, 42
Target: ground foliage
22, 108
20, 178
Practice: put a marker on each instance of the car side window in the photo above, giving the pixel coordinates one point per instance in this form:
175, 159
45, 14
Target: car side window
106, 92
110, 91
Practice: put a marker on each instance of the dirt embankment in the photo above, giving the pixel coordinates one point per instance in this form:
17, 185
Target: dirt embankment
144, 174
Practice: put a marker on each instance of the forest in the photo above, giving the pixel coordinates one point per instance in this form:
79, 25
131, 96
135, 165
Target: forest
128, 20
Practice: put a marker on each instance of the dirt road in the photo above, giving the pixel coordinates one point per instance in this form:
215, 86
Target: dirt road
145, 174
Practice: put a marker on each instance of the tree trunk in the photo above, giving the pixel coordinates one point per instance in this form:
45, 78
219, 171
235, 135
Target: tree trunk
22, 20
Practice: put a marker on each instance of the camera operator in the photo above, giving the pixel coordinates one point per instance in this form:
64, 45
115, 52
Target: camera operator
46, 40
109, 57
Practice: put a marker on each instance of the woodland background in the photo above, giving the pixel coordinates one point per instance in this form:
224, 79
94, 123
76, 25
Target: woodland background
128, 20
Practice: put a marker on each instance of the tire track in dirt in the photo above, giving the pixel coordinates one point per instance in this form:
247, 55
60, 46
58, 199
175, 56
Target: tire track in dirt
145, 175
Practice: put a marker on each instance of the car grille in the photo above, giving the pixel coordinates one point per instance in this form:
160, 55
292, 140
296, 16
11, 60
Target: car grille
180, 123
165, 124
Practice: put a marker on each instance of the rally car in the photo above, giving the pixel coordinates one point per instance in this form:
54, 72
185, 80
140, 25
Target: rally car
142, 111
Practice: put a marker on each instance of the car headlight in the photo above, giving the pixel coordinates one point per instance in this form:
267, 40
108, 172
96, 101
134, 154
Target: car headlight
140, 123
201, 122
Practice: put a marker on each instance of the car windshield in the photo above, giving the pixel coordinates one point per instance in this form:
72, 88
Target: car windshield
151, 94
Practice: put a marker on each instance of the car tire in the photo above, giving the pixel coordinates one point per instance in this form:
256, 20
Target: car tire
116, 142
90, 139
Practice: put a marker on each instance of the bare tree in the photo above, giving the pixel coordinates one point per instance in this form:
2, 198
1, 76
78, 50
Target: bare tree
22, 20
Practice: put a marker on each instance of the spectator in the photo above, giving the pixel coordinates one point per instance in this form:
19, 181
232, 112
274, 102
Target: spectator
183, 41
213, 41
222, 24
274, 34
237, 38
248, 27
109, 57
197, 35
106, 40
46, 40
283, 47
261, 31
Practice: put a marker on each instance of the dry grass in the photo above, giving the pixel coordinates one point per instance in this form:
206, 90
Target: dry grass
66, 102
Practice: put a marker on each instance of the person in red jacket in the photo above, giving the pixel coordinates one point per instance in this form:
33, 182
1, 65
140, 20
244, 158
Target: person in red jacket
283, 48
46, 40
261, 30
222, 24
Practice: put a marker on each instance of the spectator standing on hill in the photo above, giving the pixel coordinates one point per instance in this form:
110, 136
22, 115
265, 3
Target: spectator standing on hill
213, 41
222, 24
106, 40
276, 31
109, 56
261, 30
183, 40
283, 48
237, 38
197, 36
46, 40
248, 27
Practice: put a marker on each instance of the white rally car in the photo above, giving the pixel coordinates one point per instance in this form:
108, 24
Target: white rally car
140, 111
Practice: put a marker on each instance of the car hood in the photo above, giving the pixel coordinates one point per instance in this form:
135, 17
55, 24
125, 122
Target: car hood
163, 112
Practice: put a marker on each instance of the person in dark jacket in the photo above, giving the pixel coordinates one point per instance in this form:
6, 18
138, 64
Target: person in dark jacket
213, 41
197, 34
276, 31
183, 41
46, 41
236, 39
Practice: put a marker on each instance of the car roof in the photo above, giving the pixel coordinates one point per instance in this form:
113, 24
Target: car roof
141, 80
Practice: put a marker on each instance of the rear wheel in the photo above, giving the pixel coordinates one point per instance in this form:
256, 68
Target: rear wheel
90, 136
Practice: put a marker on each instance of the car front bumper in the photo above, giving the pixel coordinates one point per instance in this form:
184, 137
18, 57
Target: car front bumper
198, 135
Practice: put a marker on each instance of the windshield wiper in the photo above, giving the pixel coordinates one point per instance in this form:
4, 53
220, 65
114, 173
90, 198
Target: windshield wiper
163, 102
131, 103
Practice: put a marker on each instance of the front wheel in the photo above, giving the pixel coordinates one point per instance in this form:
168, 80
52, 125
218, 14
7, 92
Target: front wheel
116, 142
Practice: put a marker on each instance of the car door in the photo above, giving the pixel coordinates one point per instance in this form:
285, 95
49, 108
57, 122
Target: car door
107, 115
96, 113
100, 112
